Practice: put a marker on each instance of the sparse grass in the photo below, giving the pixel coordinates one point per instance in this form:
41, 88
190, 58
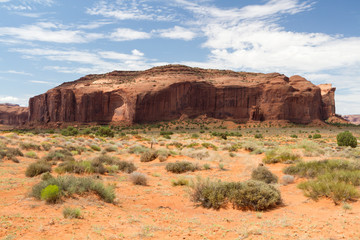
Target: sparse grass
31, 154
95, 147
59, 155
69, 212
30, 146
280, 155
181, 167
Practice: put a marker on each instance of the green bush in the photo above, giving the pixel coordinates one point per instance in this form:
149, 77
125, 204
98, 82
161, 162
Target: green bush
180, 182
70, 131
37, 168
346, 139
263, 174
148, 156
46, 146
105, 132
70, 185
59, 155
138, 149
69, 212
316, 136
31, 155
258, 135
209, 145
181, 167
95, 147
51, 194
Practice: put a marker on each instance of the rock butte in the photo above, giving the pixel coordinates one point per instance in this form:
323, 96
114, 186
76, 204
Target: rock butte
12, 114
355, 119
174, 91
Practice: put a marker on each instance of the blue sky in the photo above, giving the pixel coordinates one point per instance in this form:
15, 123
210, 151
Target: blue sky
46, 42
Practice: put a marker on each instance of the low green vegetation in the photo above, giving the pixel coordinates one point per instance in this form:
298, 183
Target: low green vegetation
279, 155
346, 139
181, 167
263, 174
69, 212
69, 185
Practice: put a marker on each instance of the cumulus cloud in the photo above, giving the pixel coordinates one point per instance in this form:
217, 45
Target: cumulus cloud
177, 32
127, 34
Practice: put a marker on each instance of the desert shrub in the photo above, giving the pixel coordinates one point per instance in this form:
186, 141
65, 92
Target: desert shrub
347, 176
175, 144
46, 176
10, 153
105, 132
181, 167
103, 158
31, 155
70, 185
70, 131
280, 155
180, 182
263, 174
37, 168
346, 139
252, 195
138, 178
337, 191
163, 158
13, 151
192, 145
148, 156
166, 133
210, 194
138, 149
195, 135
51, 194
46, 146
209, 145
207, 166
111, 149
258, 135
69, 212
199, 154
75, 167
30, 146
316, 136
287, 179
59, 155
127, 167
95, 147
294, 136
315, 168
252, 147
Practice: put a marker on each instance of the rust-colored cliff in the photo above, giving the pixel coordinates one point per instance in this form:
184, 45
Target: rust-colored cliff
12, 114
168, 92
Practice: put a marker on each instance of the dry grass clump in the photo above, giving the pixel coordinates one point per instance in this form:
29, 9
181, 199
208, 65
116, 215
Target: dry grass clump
10, 153
30, 146
69, 212
180, 182
310, 148
148, 156
181, 167
138, 178
37, 168
59, 155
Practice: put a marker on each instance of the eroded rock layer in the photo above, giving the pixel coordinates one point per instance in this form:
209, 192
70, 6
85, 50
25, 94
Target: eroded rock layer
169, 92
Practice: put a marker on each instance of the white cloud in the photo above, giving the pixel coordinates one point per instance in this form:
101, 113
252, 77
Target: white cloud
87, 62
16, 72
42, 82
177, 33
126, 34
131, 10
3, 1
48, 32
13, 100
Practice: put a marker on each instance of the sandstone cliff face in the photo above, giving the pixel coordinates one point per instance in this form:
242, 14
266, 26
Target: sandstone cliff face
12, 114
168, 92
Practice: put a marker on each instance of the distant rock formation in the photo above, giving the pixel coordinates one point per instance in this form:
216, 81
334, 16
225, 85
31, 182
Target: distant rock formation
354, 119
172, 91
12, 114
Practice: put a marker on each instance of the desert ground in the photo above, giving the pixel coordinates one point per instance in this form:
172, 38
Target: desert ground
161, 209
